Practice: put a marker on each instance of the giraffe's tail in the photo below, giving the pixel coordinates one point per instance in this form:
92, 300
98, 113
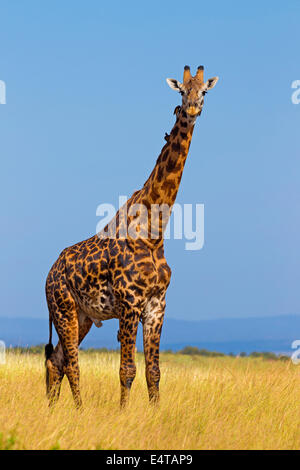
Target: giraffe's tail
49, 346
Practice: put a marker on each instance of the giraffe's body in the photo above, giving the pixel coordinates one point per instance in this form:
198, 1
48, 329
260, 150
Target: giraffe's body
123, 277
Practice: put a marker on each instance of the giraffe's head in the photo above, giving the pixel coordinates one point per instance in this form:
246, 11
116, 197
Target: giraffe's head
192, 90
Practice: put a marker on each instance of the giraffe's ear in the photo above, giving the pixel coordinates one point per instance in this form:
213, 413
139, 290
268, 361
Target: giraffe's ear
211, 82
174, 84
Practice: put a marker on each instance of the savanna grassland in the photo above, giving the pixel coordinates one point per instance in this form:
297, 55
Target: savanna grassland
206, 403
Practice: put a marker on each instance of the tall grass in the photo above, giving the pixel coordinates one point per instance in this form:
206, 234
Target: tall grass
206, 403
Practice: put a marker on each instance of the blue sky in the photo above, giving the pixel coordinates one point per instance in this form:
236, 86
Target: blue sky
87, 109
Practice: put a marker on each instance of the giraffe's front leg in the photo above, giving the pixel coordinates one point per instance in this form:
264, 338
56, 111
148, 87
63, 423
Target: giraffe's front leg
127, 337
152, 326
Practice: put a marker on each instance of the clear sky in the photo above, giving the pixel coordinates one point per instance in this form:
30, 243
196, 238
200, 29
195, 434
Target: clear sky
87, 109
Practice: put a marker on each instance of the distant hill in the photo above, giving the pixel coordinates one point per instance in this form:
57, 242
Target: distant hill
225, 335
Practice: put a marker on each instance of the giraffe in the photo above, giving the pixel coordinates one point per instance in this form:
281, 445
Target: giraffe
123, 274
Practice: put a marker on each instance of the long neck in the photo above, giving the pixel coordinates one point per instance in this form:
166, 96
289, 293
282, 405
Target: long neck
162, 186
145, 215
163, 183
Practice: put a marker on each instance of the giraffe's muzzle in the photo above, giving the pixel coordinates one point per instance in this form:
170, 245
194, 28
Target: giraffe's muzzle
193, 110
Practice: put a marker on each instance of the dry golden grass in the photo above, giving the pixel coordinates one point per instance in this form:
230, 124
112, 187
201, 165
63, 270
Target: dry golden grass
206, 403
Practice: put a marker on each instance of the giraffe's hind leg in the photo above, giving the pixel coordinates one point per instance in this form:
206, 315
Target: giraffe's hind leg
71, 326
54, 374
